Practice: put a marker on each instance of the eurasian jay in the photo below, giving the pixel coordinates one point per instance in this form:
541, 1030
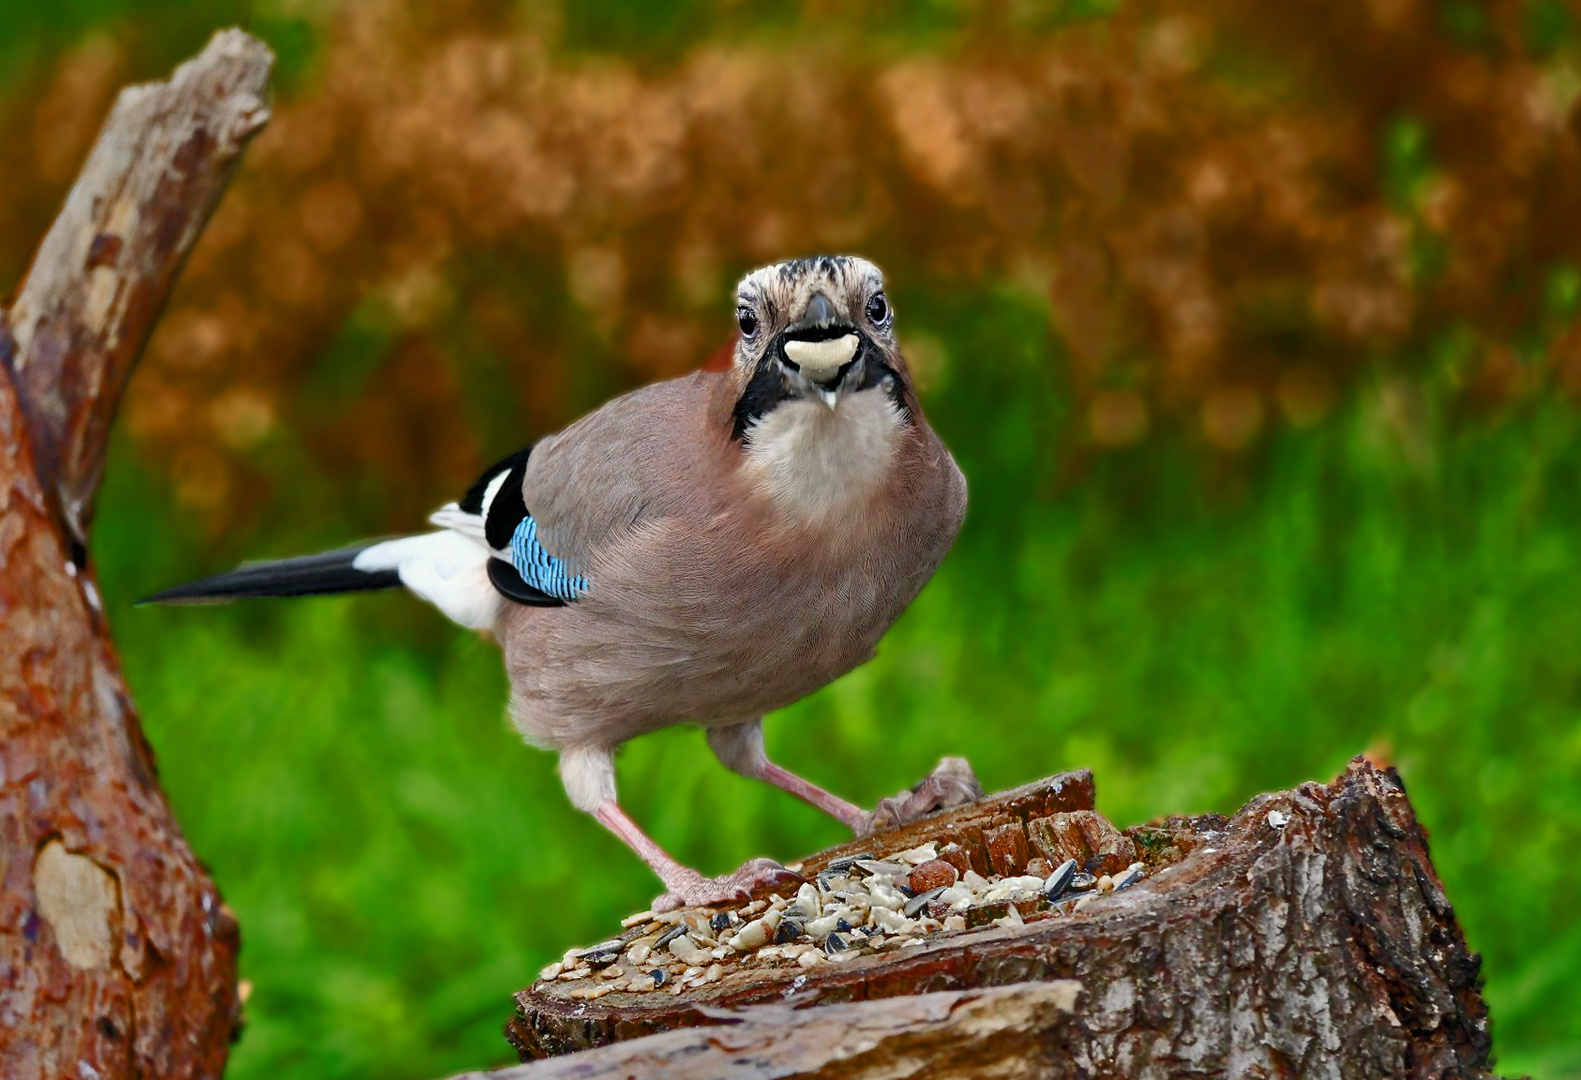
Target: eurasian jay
706, 549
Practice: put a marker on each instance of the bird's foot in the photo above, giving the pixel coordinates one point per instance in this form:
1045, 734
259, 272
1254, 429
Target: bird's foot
688, 888
950, 785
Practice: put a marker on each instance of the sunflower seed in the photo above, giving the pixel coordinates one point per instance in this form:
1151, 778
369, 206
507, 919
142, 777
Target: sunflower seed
602, 954
1132, 875
920, 901
1059, 880
844, 863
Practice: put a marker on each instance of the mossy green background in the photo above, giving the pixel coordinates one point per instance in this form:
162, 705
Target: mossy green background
400, 862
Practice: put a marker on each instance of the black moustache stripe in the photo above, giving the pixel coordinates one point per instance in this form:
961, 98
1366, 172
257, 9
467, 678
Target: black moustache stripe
768, 387
880, 374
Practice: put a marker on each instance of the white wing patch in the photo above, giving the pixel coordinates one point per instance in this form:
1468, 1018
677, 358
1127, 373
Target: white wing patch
452, 517
449, 569
492, 490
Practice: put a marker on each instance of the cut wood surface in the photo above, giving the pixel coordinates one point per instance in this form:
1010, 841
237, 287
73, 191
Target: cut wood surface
117, 958
1307, 936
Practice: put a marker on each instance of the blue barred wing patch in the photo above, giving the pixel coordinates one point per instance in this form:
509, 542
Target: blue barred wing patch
540, 569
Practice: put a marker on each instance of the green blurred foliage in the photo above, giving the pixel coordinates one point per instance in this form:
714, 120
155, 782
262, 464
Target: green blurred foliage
1397, 572
400, 862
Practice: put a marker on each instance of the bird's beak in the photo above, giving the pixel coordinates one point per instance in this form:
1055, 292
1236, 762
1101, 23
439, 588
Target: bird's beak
820, 313
819, 350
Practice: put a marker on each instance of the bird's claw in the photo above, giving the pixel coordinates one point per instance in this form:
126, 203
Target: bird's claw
950, 785
694, 890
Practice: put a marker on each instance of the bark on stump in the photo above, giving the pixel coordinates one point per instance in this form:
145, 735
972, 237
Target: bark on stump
1307, 936
117, 958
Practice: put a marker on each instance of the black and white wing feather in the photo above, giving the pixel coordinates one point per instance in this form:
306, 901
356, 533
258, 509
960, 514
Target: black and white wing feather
495, 512
487, 547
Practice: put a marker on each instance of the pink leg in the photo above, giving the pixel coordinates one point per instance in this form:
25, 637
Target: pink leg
740, 747
852, 816
688, 888
589, 776
672, 873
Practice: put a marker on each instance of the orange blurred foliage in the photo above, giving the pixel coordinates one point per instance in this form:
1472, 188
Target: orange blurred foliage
1232, 208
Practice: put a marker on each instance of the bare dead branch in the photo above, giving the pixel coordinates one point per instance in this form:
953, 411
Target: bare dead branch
1017, 1032
106, 267
117, 958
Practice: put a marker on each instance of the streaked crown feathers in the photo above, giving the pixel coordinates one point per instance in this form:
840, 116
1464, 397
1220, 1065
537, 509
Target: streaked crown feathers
781, 292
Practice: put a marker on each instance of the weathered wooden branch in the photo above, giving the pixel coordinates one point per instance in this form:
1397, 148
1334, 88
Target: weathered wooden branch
117, 958
1307, 936
1010, 1033
106, 267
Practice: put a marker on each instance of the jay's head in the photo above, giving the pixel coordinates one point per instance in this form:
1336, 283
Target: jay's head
814, 330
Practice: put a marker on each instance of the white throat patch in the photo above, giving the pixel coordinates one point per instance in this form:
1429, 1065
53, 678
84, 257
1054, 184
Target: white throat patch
813, 460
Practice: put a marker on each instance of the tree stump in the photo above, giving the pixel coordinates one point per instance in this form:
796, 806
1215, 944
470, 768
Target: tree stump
117, 958
1307, 936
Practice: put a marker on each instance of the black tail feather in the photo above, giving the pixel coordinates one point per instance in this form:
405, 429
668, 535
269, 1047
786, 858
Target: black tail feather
330, 572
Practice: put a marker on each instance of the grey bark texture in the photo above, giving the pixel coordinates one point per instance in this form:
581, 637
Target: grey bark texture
117, 957
1307, 936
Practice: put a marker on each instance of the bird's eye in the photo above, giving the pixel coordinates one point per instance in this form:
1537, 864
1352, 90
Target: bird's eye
877, 309
747, 321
